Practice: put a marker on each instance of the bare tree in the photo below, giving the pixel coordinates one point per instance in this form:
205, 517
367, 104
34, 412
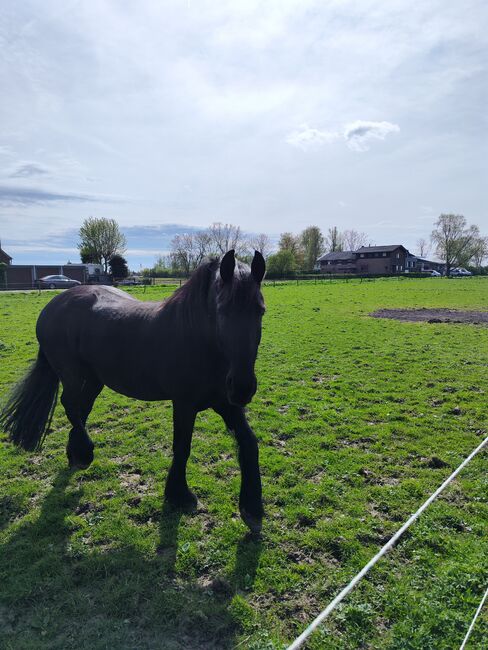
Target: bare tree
202, 244
480, 251
352, 240
334, 240
261, 243
423, 247
187, 252
223, 237
455, 242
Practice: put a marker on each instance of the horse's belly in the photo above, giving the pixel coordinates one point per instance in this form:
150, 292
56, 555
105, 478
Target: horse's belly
130, 373
146, 393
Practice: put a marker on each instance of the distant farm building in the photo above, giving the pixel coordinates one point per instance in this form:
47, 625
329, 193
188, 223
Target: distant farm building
4, 257
375, 260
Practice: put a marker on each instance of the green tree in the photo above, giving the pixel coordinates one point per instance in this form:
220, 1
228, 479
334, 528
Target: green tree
118, 266
101, 239
455, 242
291, 243
281, 264
334, 240
312, 246
88, 256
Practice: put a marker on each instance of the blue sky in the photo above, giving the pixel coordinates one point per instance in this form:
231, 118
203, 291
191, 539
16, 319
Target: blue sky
169, 115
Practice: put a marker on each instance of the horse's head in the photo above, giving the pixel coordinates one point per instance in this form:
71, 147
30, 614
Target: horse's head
240, 308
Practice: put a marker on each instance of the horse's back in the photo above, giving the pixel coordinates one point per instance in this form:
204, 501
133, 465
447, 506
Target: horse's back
77, 309
105, 333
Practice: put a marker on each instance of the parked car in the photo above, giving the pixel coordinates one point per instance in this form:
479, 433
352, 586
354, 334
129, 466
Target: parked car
435, 274
460, 272
57, 282
131, 280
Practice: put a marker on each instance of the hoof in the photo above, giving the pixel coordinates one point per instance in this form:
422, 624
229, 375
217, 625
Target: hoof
253, 522
186, 501
79, 461
78, 465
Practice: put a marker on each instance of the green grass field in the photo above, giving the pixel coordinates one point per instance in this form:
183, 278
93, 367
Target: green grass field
359, 421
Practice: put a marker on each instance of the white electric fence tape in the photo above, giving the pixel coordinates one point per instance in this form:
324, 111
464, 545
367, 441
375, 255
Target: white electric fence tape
299, 641
470, 629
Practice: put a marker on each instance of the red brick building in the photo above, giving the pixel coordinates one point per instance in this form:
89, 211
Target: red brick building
367, 260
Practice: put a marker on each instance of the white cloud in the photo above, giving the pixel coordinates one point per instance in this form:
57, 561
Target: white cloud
356, 134
359, 134
306, 137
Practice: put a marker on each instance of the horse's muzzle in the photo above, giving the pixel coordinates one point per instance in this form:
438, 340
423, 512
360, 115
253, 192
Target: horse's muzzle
240, 393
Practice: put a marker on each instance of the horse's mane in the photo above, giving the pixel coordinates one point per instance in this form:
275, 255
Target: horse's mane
190, 302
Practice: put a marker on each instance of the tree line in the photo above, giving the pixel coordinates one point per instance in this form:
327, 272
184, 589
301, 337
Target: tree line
454, 241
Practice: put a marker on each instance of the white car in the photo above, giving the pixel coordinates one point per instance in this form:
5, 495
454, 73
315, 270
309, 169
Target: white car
435, 274
460, 271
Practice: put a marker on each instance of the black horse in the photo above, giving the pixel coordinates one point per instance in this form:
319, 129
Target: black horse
198, 349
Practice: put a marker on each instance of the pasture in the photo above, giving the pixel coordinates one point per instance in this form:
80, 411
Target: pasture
359, 421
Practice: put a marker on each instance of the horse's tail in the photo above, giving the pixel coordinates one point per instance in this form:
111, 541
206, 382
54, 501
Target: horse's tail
26, 416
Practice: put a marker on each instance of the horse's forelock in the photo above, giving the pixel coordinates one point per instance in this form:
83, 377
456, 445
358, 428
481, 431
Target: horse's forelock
242, 291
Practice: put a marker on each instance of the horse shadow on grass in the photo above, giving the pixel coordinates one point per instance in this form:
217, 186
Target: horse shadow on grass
52, 597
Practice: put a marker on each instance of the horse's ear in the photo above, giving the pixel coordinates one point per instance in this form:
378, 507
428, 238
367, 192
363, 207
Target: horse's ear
258, 267
227, 266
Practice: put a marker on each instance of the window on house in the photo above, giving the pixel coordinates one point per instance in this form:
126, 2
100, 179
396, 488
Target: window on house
361, 254
398, 256
383, 254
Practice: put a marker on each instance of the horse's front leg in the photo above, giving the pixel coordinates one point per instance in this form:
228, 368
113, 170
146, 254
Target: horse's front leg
250, 498
177, 491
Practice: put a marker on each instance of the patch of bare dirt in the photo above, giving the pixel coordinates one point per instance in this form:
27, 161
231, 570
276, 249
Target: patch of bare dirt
425, 315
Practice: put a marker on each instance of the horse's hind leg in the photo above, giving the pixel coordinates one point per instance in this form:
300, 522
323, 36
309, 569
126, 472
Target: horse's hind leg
78, 398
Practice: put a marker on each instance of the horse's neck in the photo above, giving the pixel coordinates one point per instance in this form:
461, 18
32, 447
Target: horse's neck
195, 323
